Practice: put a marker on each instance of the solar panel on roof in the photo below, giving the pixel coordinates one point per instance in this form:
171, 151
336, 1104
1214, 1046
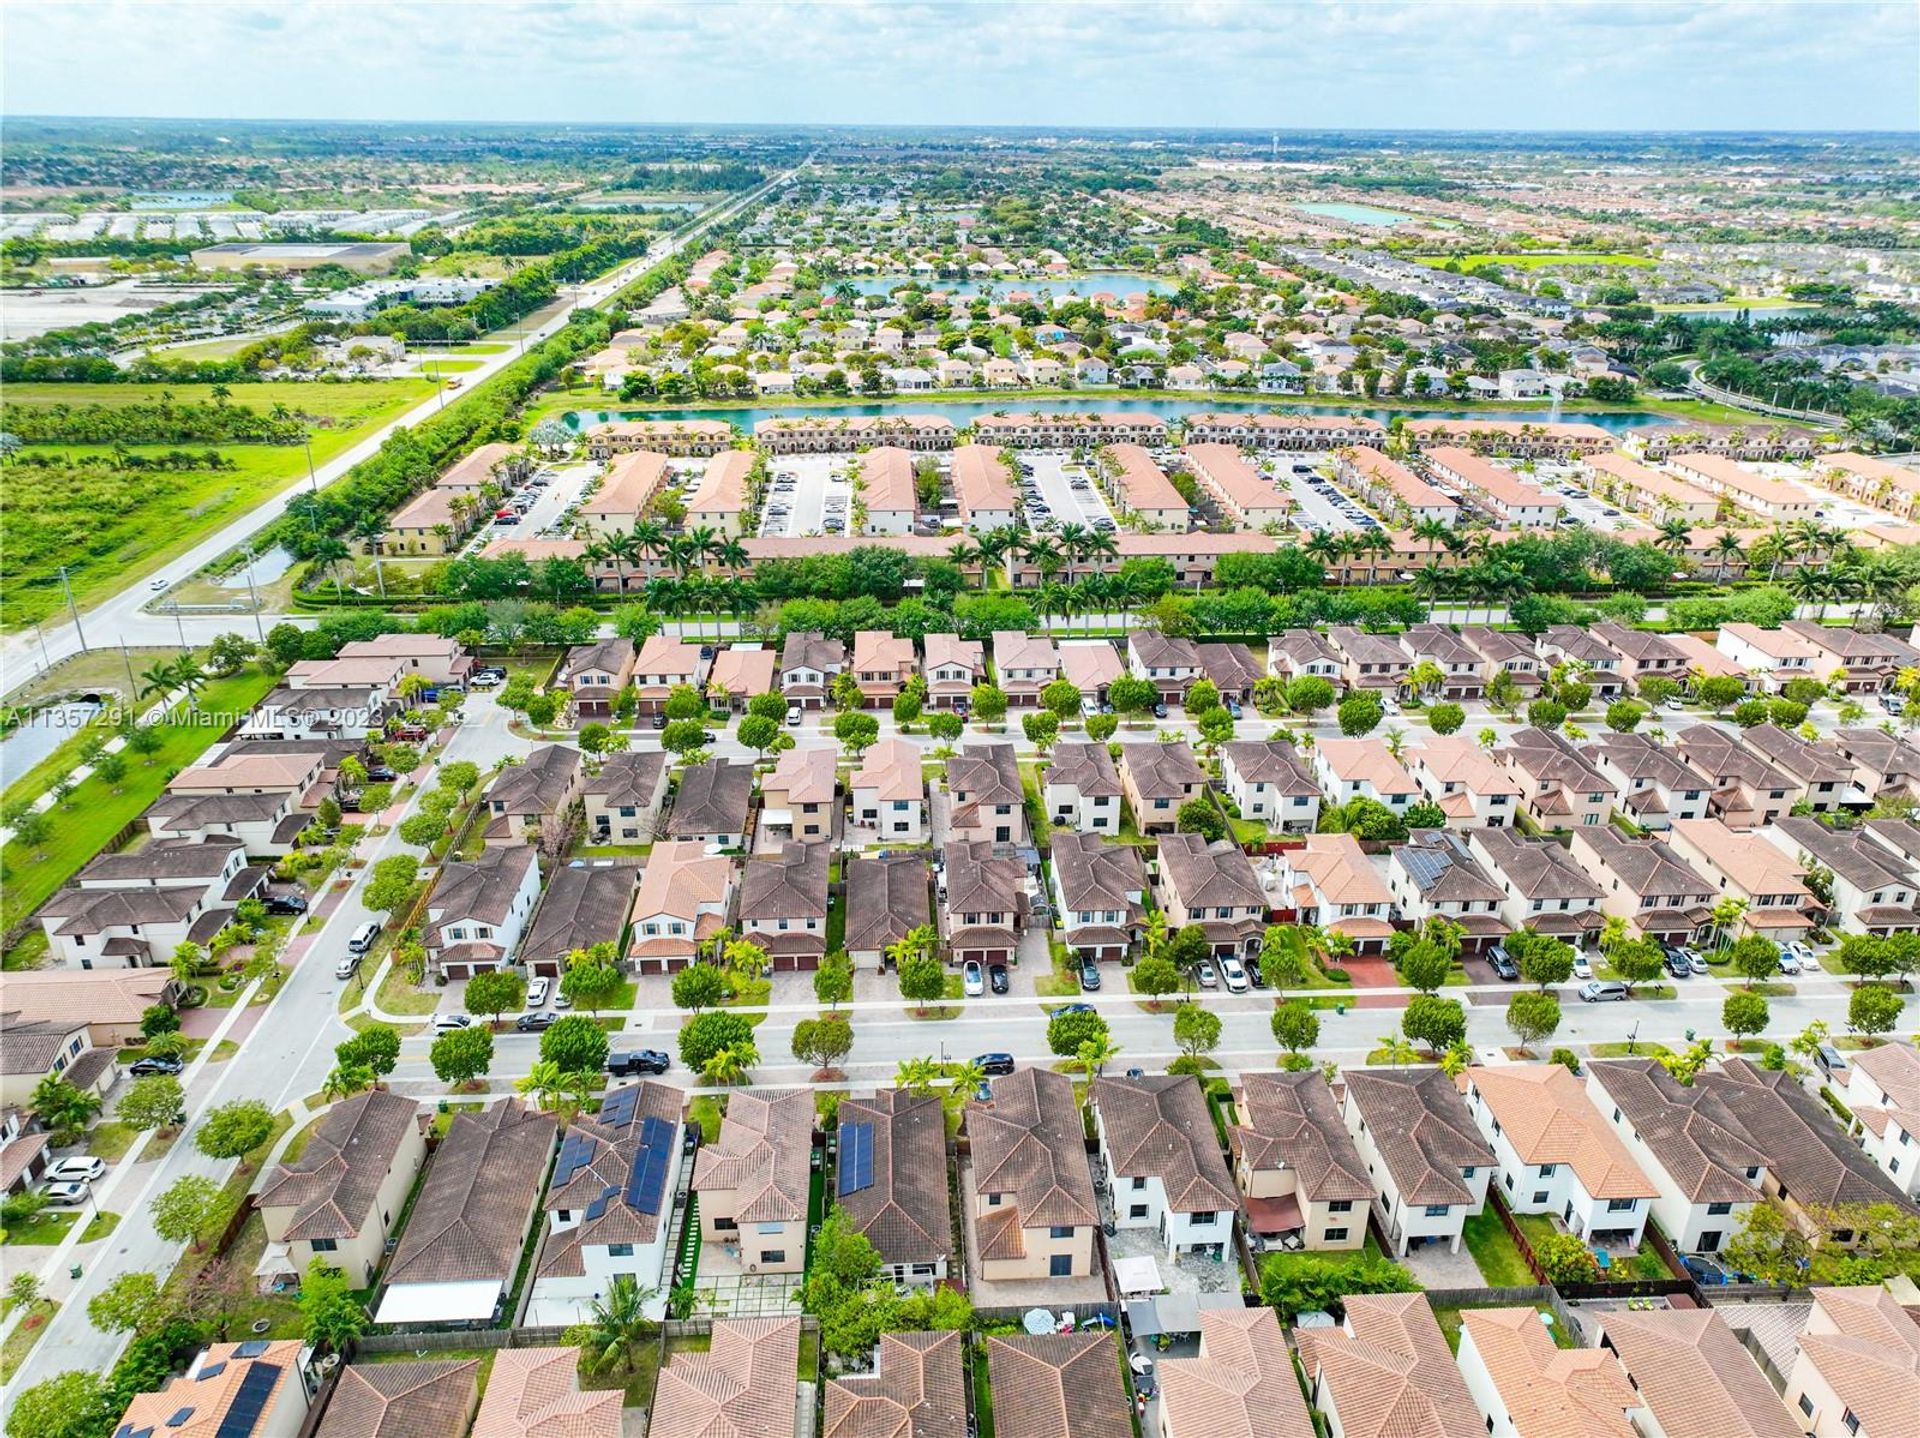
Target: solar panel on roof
599, 1205
617, 1108
212, 1370
647, 1181
179, 1417
250, 1401
252, 1348
856, 1158
575, 1154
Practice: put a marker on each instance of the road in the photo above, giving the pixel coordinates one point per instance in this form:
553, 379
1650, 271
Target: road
121, 618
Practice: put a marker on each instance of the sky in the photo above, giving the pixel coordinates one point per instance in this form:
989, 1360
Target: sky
1259, 64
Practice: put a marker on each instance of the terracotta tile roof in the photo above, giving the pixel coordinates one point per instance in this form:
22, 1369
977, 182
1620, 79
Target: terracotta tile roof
1691, 1132
985, 774
631, 777
892, 770
1537, 868
1867, 1348
805, 650
679, 878
205, 1396
481, 889
887, 472
742, 1387
1293, 1122
1097, 877
1158, 1127
713, 798
1028, 1144
1240, 1385
950, 649
1388, 1371
470, 1218
1423, 1131
885, 898
905, 1212
535, 1393
1090, 663
1807, 1153
332, 1185
743, 671
805, 776
1163, 771
1058, 1385
764, 1152
1544, 1112
1086, 767
918, 1389
1695, 1375
605, 1154
1272, 762
537, 784
1339, 869
1550, 1392
422, 1399
789, 885
581, 908
1207, 875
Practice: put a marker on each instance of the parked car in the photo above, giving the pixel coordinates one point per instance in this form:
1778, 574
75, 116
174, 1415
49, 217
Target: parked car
639, 1061
444, 1023
81, 1168
1582, 967
1804, 953
533, 1023
155, 1064
1234, 974
659, 721
537, 992
1789, 962
1696, 961
1205, 972
1070, 1009
1832, 1063
1159, 711
1503, 963
363, 938
997, 979
381, 774
794, 716
65, 1195
1089, 975
995, 1063
973, 982
1603, 991
1677, 965
347, 967
286, 904
488, 681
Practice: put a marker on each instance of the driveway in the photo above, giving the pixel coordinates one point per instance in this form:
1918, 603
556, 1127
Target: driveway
1435, 1267
1055, 474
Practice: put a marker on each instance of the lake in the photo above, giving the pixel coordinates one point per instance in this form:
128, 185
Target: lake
1118, 282
1355, 214
964, 412
40, 734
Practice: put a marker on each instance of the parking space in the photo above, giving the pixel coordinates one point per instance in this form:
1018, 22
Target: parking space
1833, 509
809, 494
1059, 491
1320, 503
552, 495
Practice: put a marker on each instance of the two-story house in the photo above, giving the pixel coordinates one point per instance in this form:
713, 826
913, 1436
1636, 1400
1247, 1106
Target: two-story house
891, 1181
338, 1200
753, 1180
783, 905
988, 801
1825, 777
1646, 884
1387, 1369
1214, 886
1643, 654
1363, 769
594, 674
1168, 663
808, 665
1268, 781
1598, 663
1653, 785
983, 903
890, 792
1509, 650
1163, 1164
1425, 1158
882, 666
1883, 1091
663, 665
1023, 665
1297, 653
1744, 865
1081, 789
581, 908
798, 799
1875, 891
1298, 1170
713, 804
1748, 791
622, 802
1435, 875
1330, 882
1464, 669
1882, 763
1856, 1368
685, 897
1157, 779
478, 910
528, 802
1523, 1383
1546, 888
1368, 661
952, 666
1034, 1210
131, 910
1472, 788
1773, 657
1559, 787
1097, 892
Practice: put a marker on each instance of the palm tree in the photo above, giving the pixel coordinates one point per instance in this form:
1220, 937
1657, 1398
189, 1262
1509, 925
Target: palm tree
162, 677
1810, 587
960, 554
617, 1328
1727, 549
1323, 546
623, 550
917, 1075
1430, 581
1727, 914
1043, 554
733, 554
649, 535
666, 597
542, 1084
1431, 531
1674, 535
728, 1065
1093, 1055
1100, 546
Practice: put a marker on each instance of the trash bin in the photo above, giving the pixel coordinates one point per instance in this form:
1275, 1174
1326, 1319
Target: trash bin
73, 1271
1340, 1008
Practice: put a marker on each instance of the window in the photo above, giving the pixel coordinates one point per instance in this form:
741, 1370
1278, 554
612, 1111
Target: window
1060, 1230
1340, 1205
993, 1200
1806, 1405
1547, 1170
1060, 1265
1203, 1220
1138, 1210
1719, 1210
1334, 1235
1622, 1205
1138, 1184
773, 1255
1438, 1210
1468, 1171
1540, 1197
619, 1250
725, 1225
1849, 1422
322, 1245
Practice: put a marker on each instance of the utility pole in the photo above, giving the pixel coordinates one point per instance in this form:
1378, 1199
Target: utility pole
180, 625
253, 596
46, 663
312, 478
73, 609
133, 685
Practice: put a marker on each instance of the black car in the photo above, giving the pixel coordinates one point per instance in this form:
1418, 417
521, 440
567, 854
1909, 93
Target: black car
640, 1061
997, 978
149, 1067
1159, 711
660, 721
1089, 975
1503, 964
286, 904
995, 1063
1071, 1009
533, 1023
381, 774
1677, 965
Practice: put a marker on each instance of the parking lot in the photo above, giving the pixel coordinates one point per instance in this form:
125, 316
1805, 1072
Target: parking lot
809, 494
554, 492
1564, 481
1058, 492
1321, 506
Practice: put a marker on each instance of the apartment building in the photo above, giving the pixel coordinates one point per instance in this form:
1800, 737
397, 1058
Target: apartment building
1243, 493
1502, 493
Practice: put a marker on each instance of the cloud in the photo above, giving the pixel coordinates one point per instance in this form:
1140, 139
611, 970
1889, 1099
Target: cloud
1525, 64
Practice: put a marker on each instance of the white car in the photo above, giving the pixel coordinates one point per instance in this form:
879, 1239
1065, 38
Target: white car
446, 1023
1234, 973
537, 992
83, 1168
1804, 954
158, 584
973, 979
1582, 967
1205, 972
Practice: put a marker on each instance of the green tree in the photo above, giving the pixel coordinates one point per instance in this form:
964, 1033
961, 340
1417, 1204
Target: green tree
758, 733
1754, 958
1744, 1014
1533, 1017
154, 1102
76, 1404
592, 986
460, 1056
823, 1042
181, 1214
1062, 698
988, 704
330, 1316
1066, 1032
495, 992
1306, 1283
1296, 1027
1423, 965
376, 1047
1199, 816
685, 737
1636, 961
576, 1043
62, 1107
1435, 1022
1101, 727
946, 726
1624, 716
131, 1303
699, 986
159, 1019
393, 884
1155, 976
922, 980
1309, 694
1873, 1010
1565, 1257
1721, 692
857, 732
235, 1129
833, 979
706, 1034
617, 1332
1130, 695
1360, 713
1541, 959
1196, 1030
1446, 718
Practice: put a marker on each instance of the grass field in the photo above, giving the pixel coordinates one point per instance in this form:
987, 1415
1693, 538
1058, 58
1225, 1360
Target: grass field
96, 810
1535, 260
130, 522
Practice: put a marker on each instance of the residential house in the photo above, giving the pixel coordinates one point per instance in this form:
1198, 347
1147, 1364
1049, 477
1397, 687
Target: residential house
1556, 1155
1363, 769
478, 910
1296, 653
1368, 661
663, 665
1163, 1164
1329, 882
952, 667
808, 664
1472, 788
265, 823
1233, 670
1706, 1170
890, 1180
784, 903
685, 897
1034, 1211
988, 800
1386, 1372
1240, 1382
1024, 664
983, 903
799, 798
1546, 889
1883, 764
1090, 665
1643, 655
886, 489
889, 792
1097, 892
1246, 496
721, 501
1267, 780
441, 662
1157, 779
1652, 785
886, 900
1435, 874
1214, 886
713, 803
1601, 666
1745, 866
1463, 669
1692, 1374
918, 1386
292, 712
1080, 789
622, 803
465, 1233
1170, 664
740, 672
982, 490
581, 908
1748, 790
882, 666
1874, 890
1825, 778
753, 1180
338, 1200
32, 1050
1056, 1385
1426, 1159
1773, 657
1856, 1372
1298, 1170
743, 1383
417, 1396
254, 1389
108, 1003
1506, 649
535, 1392
1559, 787
1523, 1383
528, 802
1645, 883
1863, 662
1883, 1092
132, 909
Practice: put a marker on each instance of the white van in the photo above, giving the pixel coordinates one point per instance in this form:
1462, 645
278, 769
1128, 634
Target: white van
363, 937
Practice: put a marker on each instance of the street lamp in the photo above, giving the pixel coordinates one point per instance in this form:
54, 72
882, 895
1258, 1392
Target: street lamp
73, 609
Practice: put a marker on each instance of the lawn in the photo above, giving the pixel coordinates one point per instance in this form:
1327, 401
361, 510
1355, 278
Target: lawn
1450, 1322
954, 989
1494, 1250
96, 810
25, 1334
120, 524
705, 1110
50, 1226
1644, 1048
1535, 260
